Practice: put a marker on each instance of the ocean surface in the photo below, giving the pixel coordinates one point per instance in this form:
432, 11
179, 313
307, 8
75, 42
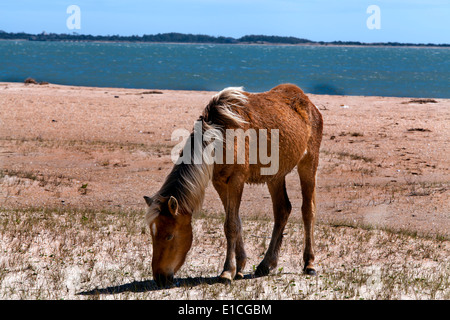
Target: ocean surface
375, 71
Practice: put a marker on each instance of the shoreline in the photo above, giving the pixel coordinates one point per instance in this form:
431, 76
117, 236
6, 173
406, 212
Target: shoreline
55, 85
413, 46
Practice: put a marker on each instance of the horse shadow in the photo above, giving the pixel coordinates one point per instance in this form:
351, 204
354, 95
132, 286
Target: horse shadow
150, 285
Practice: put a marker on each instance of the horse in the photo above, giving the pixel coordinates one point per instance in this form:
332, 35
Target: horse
284, 110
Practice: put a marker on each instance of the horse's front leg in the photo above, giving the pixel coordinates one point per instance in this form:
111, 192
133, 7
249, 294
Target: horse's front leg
231, 194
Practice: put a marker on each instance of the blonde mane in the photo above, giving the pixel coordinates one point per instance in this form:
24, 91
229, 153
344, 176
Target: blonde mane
187, 182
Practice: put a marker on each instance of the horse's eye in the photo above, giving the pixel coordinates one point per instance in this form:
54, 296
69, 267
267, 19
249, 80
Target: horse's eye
169, 237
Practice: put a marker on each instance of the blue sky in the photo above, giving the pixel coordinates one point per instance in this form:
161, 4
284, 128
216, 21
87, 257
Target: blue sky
417, 21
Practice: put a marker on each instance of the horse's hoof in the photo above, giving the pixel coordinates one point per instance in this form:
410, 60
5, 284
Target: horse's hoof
225, 281
225, 277
262, 271
239, 276
310, 272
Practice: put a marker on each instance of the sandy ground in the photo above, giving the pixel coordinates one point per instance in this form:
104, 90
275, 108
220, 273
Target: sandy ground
384, 161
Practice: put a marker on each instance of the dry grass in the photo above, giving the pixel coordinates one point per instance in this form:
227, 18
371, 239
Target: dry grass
83, 254
86, 146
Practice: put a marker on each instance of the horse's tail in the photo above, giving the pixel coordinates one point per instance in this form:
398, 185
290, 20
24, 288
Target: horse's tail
221, 109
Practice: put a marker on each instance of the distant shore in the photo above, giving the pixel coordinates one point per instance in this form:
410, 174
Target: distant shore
255, 44
181, 38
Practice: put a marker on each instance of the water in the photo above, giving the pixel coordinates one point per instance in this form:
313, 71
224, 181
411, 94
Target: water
377, 71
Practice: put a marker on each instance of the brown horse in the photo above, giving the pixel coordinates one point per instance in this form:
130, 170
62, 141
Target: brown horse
284, 110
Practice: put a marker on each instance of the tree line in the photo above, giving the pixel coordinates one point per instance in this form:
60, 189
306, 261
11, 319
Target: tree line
174, 37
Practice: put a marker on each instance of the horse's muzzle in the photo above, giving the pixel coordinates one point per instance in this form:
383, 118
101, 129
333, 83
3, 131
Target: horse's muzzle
163, 280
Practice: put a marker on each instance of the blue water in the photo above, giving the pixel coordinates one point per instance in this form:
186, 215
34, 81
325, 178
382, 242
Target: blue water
380, 71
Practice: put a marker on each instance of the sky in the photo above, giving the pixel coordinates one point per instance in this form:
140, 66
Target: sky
413, 21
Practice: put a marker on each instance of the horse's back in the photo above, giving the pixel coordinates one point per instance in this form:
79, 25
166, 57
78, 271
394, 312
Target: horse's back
284, 111
287, 109
283, 105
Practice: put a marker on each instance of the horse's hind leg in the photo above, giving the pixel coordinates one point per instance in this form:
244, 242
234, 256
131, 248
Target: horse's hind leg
307, 171
231, 193
281, 210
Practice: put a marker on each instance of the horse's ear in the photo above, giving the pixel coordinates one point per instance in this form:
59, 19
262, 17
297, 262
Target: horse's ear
148, 200
173, 206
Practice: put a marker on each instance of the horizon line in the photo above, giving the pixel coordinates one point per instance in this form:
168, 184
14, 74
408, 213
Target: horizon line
251, 38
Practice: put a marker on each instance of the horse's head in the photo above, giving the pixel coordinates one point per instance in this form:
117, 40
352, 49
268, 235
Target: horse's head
171, 232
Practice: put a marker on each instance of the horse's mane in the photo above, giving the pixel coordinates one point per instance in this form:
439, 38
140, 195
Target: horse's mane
187, 182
